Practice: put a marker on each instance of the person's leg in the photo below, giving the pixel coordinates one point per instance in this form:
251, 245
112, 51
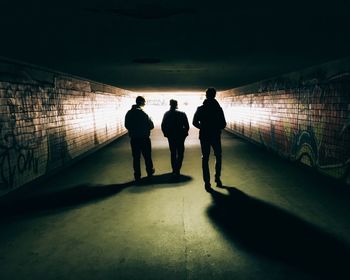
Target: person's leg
205, 147
147, 155
172, 147
136, 155
216, 144
180, 144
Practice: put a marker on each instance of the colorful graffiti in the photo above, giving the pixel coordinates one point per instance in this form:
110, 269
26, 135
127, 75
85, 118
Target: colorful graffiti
309, 123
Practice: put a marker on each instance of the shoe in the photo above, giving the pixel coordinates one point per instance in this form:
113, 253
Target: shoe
208, 188
137, 180
218, 183
150, 174
176, 176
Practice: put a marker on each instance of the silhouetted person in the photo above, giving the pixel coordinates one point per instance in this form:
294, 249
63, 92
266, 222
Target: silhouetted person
175, 127
139, 126
210, 120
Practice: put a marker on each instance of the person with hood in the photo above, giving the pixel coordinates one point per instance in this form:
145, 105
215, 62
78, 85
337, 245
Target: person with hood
139, 126
175, 127
210, 120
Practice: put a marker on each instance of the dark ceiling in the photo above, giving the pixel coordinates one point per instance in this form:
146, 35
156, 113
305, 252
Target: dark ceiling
172, 45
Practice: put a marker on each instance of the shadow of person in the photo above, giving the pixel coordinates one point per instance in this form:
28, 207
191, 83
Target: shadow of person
166, 178
270, 231
60, 200
57, 200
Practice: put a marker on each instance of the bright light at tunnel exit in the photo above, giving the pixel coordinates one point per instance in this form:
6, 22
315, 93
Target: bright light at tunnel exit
157, 103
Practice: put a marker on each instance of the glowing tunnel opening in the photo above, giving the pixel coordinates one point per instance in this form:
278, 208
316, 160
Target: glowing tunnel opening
157, 103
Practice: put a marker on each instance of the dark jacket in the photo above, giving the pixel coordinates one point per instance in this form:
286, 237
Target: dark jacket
138, 123
210, 119
175, 124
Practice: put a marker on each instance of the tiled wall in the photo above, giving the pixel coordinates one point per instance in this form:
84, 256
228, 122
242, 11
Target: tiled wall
302, 116
48, 119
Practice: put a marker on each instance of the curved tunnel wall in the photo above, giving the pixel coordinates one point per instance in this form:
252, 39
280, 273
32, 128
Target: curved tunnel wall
303, 116
48, 119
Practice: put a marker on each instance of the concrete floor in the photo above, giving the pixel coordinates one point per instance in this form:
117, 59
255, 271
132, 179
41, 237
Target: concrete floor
274, 221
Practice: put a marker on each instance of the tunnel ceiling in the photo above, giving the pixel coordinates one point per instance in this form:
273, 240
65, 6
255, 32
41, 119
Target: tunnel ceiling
174, 45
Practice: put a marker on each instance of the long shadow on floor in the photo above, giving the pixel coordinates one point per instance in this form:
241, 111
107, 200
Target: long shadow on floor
55, 201
270, 231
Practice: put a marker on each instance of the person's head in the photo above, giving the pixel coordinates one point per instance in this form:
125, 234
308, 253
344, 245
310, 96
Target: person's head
140, 101
210, 93
173, 104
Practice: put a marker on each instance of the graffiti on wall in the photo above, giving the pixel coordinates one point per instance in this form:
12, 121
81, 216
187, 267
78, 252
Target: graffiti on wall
22, 136
42, 128
309, 123
57, 149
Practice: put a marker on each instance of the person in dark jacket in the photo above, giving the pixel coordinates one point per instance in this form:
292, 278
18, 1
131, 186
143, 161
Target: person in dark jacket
175, 127
210, 120
139, 126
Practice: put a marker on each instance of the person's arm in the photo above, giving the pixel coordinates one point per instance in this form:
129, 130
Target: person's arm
150, 122
186, 124
196, 121
164, 126
127, 121
223, 120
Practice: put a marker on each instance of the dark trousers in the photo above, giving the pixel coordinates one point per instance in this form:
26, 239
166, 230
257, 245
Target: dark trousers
177, 149
206, 144
138, 146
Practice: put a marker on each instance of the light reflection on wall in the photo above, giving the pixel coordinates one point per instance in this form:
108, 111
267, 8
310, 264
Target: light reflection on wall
238, 113
244, 114
94, 120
